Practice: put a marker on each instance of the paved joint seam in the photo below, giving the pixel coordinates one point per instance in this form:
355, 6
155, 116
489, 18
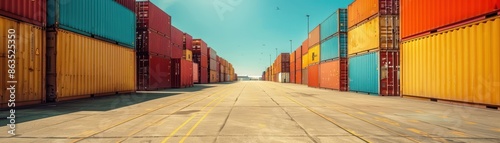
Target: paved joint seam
227, 117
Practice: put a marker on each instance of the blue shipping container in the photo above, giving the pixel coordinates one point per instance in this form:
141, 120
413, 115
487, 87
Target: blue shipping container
336, 21
334, 47
102, 18
364, 73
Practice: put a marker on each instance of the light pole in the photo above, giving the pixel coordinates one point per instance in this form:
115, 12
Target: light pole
307, 25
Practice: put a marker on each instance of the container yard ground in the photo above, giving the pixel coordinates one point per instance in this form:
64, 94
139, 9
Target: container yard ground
253, 111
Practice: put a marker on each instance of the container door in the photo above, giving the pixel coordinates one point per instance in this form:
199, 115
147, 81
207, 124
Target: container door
389, 73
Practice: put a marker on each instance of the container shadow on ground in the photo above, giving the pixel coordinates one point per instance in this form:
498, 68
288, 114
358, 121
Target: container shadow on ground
99, 104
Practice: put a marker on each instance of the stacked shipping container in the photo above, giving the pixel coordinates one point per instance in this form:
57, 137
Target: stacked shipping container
305, 61
298, 65
212, 62
281, 70
292, 67
313, 54
451, 58
373, 46
182, 75
333, 53
200, 56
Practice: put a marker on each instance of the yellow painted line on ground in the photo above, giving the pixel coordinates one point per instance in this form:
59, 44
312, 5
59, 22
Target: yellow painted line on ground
188, 120
200, 120
135, 117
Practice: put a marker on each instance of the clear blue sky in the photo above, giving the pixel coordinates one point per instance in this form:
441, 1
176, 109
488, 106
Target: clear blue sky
246, 32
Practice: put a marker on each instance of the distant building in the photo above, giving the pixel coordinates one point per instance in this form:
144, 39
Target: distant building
249, 78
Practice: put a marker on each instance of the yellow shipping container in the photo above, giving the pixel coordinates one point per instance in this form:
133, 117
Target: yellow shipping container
305, 61
85, 66
461, 64
187, 55
376, 33
29, 73
313, 54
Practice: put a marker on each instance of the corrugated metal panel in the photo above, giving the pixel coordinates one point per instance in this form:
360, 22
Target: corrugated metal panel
337, 22
364, 73
188, 42
212, 54
129, 4
377, 33
149, 41
314, 55
149, 16
305, 75
177, 44
214, 77
313, 75
30, 11
419, 16
182, 73
292, 76
305, 61
330, 48
84, 66
360, 10
94, 18
203, 75
334, 74
29, 62
213, 64
298, 76
461, 64
195, 73
305, 46
298, 62
199, 46
314, 36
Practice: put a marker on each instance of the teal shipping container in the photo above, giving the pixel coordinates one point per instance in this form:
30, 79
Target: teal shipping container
103, 19
375, 73
334, 47
337, 22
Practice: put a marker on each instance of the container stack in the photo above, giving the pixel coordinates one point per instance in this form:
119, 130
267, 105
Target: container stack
451, 58
292, 67
212, 62
129, 4
181, 65
305, 61
154, 48
29, 42
200, 56
281, 69
314, 57
333, 67
196, 73
373, 47
298, 66
83, 49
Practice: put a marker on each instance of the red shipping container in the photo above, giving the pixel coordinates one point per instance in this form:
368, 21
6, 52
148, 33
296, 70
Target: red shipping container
334, 74
199, 46
150, 16
360, 10
389, 82
195, 73
129, 4
151, 42
298, 63
305, 47
298, 76
182, 73
153, 72
292, 73
177, 38
30, 11
188, 42
313, 75
204, 75
425, 16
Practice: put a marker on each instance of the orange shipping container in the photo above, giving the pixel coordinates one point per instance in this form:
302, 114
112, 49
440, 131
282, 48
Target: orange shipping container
423, 16
29, 62
214, 77
298, 76
84, 66
313, 75
305, 46
314, 36
334, 74
360, 10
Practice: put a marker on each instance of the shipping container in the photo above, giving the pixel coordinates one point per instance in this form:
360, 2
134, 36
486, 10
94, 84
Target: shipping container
460, 64
314, 55
360, 10
153, 72
334, 74
177, 42
425, 16
305, 61
30, 11
153, 43
188, 42
283, 77
182, 73
199, 46
96, 18
213, 64
292, 67
214, 77
314, 36
305, 46
313, 75
129, 4
187, 55
202, 75
196, 73
29, 62
334, 48
80, 66
375, 73
149, 16
212, 54
298, 76
200, 59
305, 75
298, 59
378, 33
335, 23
